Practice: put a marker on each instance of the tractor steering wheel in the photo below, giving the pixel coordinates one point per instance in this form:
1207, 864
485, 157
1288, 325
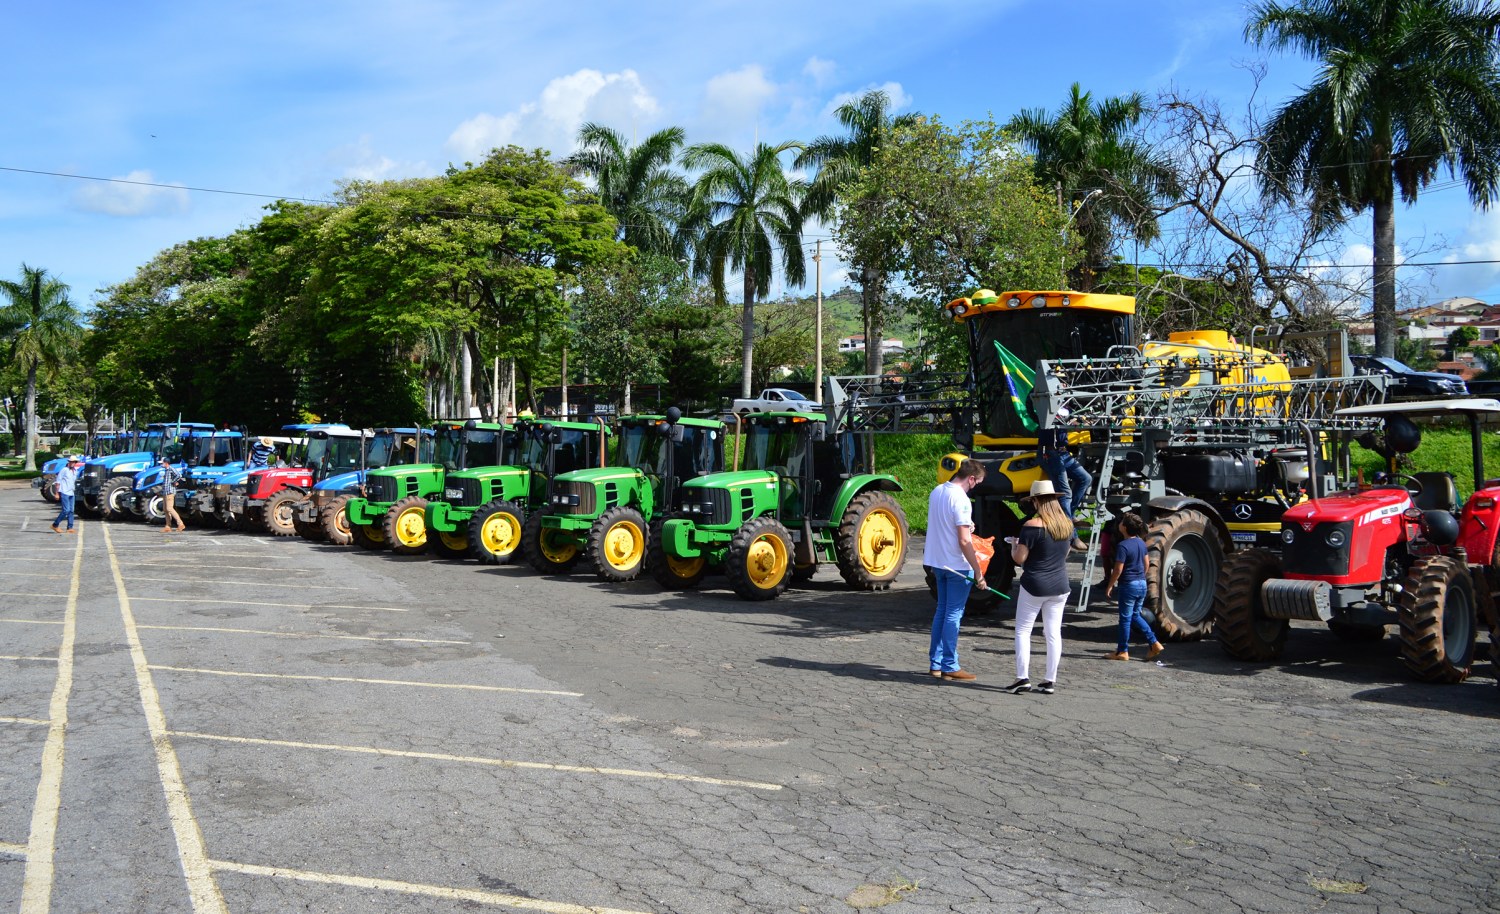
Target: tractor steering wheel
1411, 484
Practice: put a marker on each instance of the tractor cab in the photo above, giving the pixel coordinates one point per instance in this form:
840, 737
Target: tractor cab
337, 459
1401, 552
608, 513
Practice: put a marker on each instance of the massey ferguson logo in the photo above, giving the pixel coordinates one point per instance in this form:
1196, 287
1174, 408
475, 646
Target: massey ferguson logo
1307, 526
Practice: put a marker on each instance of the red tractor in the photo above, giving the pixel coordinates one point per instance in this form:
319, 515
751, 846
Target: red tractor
1400, 553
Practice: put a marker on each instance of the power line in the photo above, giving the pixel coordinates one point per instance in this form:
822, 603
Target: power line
204, 190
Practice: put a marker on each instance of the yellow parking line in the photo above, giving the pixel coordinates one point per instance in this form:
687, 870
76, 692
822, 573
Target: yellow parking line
246, 583
202, 889
24, 720
255, 631
41, 844
480, 760
399, 682
416, 888
18, 657
14, 850
35, 621
385, 609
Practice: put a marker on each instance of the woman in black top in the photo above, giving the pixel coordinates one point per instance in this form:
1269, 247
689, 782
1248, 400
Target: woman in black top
1041, 551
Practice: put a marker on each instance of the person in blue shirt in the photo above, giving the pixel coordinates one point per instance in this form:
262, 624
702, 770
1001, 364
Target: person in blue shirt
67, 479
260, 453
1129, 575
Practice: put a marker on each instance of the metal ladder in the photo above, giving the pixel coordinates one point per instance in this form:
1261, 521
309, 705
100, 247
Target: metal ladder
1103, 517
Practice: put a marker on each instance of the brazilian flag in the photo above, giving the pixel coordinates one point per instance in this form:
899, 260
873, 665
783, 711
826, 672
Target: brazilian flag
1019, 380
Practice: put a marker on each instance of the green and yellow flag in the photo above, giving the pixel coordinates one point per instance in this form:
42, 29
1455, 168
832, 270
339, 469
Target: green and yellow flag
1019, 380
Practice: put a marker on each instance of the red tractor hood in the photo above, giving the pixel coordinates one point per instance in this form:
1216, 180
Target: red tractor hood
1365, 507
265, 483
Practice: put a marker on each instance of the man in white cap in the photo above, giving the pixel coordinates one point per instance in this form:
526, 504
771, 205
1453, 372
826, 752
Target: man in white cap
67, 479
1067, 474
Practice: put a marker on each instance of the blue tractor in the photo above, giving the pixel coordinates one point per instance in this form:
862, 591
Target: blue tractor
324, 515
106, 485
102, 445
201, 458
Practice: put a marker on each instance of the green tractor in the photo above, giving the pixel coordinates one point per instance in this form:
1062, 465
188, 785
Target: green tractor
395, 497
804, 497
612, 514
486, 507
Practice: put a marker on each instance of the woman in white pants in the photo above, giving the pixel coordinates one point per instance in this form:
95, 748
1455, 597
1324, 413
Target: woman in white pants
1041, 551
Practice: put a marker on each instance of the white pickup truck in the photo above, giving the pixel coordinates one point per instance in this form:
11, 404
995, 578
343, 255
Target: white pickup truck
777, 400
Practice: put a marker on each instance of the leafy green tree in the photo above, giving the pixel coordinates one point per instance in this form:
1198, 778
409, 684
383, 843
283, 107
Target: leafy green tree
697, 338
637, 185
620, 305
839, 160
40, 327
1108, 181
1405, 88
1461, 338
742, 210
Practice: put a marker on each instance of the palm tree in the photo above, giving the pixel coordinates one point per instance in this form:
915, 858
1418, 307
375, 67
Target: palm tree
1406, 87
839, 161
741, 211
636, 185
1110, 182
41, 326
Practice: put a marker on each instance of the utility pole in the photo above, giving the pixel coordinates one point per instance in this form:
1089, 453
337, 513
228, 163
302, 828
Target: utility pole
818, 332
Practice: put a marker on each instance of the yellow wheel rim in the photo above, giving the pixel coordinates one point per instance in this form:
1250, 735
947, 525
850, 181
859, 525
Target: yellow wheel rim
374, 533
766, 561
501, 533
454, 541
685, 569
624, 545
880, 541
341, 521
556, 549
411, 527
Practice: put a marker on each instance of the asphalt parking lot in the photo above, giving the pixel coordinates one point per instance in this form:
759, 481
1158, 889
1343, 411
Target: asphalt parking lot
214, 721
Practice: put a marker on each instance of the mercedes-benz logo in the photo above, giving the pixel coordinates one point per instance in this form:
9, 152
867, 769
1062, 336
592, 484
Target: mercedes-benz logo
1243, 512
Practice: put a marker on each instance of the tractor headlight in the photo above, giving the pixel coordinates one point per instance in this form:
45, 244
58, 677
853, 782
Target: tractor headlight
1288, 534
1335, 538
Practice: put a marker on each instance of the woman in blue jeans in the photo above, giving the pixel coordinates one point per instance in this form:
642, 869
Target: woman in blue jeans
1129, 574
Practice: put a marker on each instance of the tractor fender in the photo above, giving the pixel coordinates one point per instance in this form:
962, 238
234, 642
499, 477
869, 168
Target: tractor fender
1167, 504
854, 485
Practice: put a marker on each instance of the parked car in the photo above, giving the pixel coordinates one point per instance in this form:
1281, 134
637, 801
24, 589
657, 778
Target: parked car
777, 399
1409, 382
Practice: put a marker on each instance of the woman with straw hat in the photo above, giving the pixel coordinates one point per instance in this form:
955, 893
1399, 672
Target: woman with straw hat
1041, 552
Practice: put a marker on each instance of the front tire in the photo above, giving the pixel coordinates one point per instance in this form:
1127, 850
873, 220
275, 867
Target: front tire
49, 492
154, 511
617, 544
670, 571
871, 541
1183, 555
114, 498
367, 536
546, 550
495, 532
1244, 631
1438, 618
447, 545
278, 517
406, 525
333, 517
758, 562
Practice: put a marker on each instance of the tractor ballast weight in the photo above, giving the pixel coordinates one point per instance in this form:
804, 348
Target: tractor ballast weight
487, 507
611, 515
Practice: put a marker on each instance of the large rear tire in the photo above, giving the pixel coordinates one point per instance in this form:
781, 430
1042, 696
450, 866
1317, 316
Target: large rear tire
1244, 631
1438, 617
114, 497
617, 544
759, 560
279, 516
546, 550
406, 525
1183, 554
871, 541
495, 532
670, 571
333, 517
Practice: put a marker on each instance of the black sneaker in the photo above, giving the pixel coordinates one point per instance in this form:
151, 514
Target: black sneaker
1019, 686
1045, 688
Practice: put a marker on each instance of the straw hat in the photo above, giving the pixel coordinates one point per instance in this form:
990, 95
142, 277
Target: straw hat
74, 458
1042, 487
266, 440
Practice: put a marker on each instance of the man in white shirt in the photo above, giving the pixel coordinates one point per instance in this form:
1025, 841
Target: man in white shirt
949, 554
67, 481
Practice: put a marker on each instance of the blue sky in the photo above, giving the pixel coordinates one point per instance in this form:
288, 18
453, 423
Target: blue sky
286, 99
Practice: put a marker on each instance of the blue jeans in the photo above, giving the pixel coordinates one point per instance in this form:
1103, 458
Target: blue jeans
66, 514
1132, 597
1070, 479
952, 596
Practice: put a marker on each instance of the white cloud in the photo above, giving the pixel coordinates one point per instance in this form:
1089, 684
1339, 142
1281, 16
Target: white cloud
135, 194
1481, 242
552, 121
733, 101
899, 98
359, 161
819, 69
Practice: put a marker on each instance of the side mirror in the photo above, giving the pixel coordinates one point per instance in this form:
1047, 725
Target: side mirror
676, 432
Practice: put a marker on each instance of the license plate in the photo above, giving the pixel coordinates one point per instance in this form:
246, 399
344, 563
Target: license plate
1246, 537
453, 494
236, 502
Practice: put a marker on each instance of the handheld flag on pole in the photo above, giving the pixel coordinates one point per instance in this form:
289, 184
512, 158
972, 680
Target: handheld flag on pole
1019, 380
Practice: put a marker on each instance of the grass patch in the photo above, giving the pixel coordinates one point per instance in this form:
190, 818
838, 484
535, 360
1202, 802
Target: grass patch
912, 459
19, 474
1336, 887
872, 895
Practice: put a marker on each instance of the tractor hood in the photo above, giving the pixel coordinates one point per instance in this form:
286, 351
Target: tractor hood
342, 482
260, 481
733, 479
1368, 507
147, 478
54, 465
405, 469
134, 461
207, 475
488, 473
594, 476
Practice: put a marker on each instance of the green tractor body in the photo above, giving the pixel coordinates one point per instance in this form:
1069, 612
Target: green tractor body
803, 497
483, 509
406, 470
609, 514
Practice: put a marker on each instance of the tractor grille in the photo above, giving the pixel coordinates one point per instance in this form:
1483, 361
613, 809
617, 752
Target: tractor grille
717, 505
583, 492
1309, 552
92, 479
473, 493
380, 488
